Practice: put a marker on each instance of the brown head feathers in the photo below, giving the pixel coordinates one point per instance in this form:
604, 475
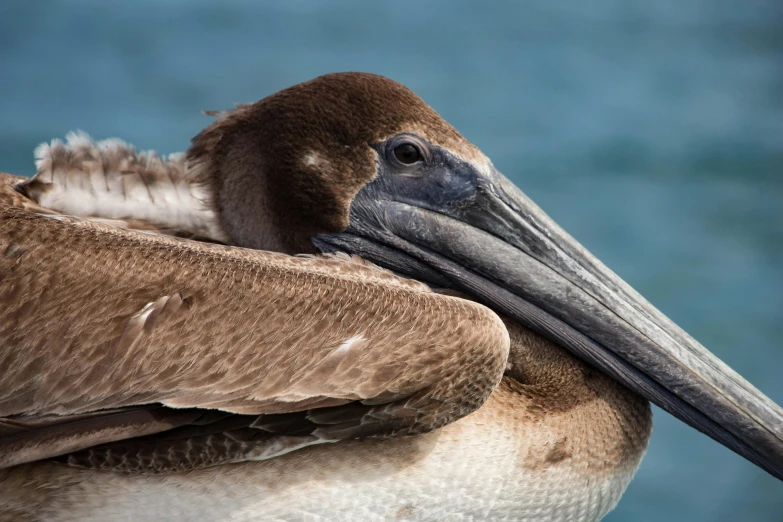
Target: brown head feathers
294, 160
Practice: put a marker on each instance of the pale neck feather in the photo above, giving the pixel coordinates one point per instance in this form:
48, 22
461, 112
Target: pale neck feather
110, 179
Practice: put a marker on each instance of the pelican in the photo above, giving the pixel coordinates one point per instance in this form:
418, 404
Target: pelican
331, 307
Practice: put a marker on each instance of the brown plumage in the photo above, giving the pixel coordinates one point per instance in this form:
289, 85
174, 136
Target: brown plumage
122, 319
255, 157
130, 351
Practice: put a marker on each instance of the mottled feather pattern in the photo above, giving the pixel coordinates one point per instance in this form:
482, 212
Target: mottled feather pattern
110, 179
12, 196
541, 456
156, 456
152, 319
143, 354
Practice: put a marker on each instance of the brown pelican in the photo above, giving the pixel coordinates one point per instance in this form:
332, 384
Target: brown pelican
153, 377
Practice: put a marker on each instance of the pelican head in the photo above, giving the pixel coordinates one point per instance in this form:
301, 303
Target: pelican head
358, 163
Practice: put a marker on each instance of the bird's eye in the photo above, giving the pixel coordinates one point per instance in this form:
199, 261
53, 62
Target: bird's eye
407, 154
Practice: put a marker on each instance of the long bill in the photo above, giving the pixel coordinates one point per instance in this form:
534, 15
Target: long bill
497, 245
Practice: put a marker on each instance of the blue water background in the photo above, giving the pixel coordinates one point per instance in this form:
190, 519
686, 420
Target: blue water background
651, 130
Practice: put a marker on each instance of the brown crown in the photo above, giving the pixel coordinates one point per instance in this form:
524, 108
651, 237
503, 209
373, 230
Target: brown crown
287, 167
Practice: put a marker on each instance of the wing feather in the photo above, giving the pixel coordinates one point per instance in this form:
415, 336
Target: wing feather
99, 324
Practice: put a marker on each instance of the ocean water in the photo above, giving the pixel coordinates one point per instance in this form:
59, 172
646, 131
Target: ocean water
652, 131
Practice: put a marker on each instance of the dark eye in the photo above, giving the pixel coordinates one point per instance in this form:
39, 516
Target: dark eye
407, 154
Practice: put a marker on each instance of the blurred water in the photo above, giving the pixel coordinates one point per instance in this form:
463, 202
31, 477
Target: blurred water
652, 131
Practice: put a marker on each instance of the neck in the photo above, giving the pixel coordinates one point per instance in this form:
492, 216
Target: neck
253, 212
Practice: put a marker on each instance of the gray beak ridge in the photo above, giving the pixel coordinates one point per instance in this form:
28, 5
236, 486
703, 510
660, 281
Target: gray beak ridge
496, 244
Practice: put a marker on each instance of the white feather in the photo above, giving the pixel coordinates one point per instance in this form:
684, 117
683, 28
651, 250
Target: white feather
110, 179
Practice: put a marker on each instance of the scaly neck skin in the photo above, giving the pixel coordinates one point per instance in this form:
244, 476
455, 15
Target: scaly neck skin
596, 422
579, 413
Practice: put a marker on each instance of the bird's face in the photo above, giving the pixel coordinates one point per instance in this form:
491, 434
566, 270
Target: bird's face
358, 163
